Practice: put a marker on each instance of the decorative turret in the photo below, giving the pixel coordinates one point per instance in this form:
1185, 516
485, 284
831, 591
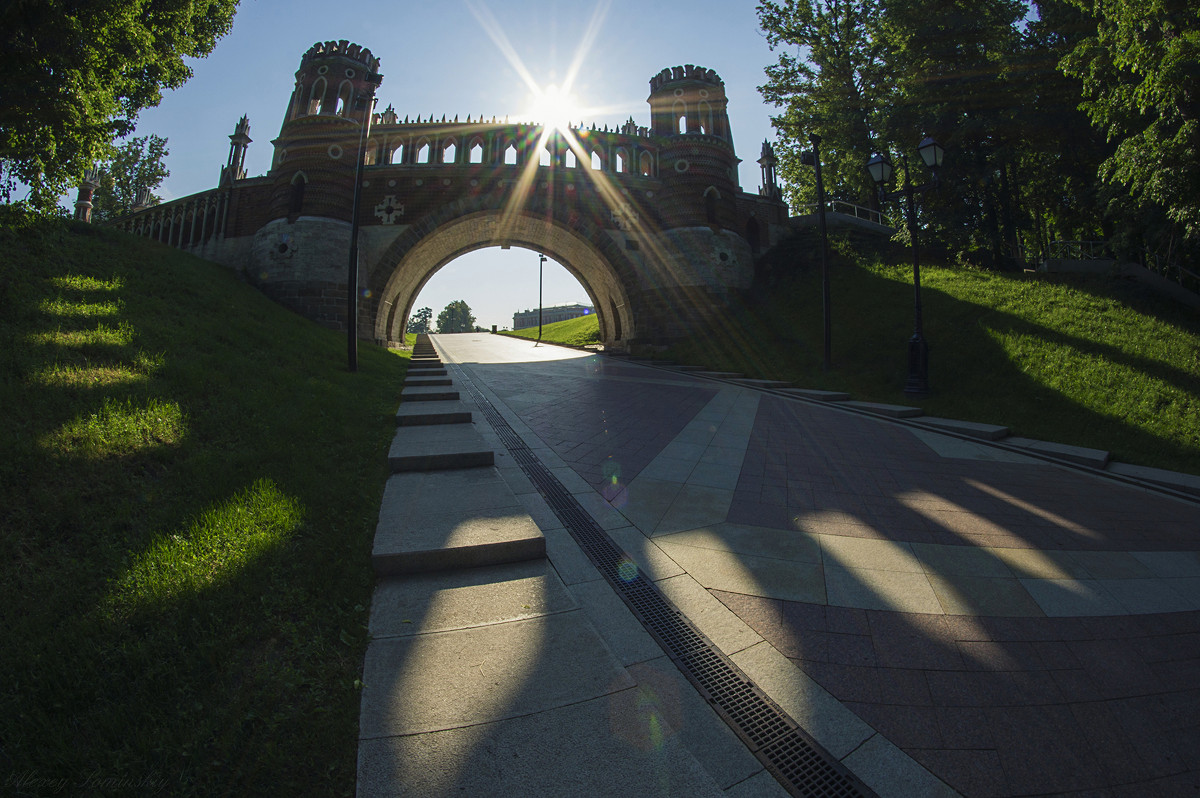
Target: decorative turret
235, 168
87, 189
768, 162
697, 163
331, 75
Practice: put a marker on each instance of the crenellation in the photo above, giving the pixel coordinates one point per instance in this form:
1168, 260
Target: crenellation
660, 217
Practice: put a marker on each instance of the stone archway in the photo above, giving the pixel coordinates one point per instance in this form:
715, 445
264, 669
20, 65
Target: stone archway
399, 274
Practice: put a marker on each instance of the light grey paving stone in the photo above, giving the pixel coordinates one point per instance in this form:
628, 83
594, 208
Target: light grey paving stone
751, 575
599, 747
569, 561
889, 411
426, 379
891, 773
574, 483
1188, 587
725, 629
452, 411
820, 396
1069, 598
668, 469
1171, 479
649, 558
428, 394
445, 680
946, 560
1170, 563
647, 501
419, 530
1041, 564
695, 506
838, 730
984, 595
662, 688
539, 511
987, 432
1144, 596
678, 450
625, 636
1111, 564
871, 589
439, 446
949, 446
516, 480
601, 511
760, 785
460, 599
1096, 458
760, 541
873, 553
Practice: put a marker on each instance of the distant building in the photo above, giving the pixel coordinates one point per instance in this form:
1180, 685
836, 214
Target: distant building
529, 318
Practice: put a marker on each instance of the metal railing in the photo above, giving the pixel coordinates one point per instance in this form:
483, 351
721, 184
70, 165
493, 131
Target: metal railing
847, 209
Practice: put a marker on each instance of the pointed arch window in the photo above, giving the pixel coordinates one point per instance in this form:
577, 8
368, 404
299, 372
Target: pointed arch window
510, 154
679, 117
449, 152
597, 161
475, 153
396, 155
296, 201
545, 158
316, 96
706, 118
622, 161
646, 165
345, 95
423, 152
571, 161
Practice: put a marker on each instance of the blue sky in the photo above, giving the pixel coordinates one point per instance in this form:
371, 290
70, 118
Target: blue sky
457, 57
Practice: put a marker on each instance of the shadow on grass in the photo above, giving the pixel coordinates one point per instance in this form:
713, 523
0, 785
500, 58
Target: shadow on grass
778, 335
187, 515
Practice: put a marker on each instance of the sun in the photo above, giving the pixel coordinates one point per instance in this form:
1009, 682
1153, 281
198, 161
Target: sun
554, 107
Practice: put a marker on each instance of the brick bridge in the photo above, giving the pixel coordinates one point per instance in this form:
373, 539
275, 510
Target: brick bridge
649, 218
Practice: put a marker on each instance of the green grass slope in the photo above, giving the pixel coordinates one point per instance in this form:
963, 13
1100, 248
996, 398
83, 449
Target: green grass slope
1089, 361
572, 332
188, 491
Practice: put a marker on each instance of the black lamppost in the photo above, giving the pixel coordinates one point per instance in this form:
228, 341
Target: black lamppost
881, 170
363, 102
813, 159
541, 260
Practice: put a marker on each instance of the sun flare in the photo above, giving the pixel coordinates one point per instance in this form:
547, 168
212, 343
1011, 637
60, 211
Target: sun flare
554, 107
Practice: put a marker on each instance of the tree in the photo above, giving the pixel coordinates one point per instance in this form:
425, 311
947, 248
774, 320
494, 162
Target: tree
137, 165
418, 322
74, 77
456, 318
836, 88
1141, 77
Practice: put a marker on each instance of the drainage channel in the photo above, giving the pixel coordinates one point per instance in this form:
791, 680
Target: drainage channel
802, 766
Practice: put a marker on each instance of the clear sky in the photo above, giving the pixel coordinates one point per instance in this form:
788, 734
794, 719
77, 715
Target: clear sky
468, 57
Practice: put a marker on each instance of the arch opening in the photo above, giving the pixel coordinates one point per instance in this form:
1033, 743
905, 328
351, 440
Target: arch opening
400, 277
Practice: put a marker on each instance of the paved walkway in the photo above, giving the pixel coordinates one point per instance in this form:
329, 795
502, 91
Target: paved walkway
940, 614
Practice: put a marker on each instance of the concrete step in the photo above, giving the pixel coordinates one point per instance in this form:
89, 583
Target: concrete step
987, 432
435, 394
820, 396
753, 383
432, 447
433, 521
720, 375
427, 372
420, 380
425, 363
1170, 479
416, 414
1096, 458
890, 411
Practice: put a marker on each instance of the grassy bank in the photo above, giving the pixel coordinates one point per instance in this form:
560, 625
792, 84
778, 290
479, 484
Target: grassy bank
188, 492
1083, 360
572, 332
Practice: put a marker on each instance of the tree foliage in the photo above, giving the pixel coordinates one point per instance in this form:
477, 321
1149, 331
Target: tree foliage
1141, 79
1062, 119
420, 320
137, 165
456, 318
74, 76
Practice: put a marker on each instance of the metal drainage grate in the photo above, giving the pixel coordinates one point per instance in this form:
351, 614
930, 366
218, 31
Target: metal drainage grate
802, 766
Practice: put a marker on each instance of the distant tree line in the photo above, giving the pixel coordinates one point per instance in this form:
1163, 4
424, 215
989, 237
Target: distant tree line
1062, 119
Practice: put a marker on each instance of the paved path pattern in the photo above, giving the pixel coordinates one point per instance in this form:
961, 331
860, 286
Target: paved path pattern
1012, 626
